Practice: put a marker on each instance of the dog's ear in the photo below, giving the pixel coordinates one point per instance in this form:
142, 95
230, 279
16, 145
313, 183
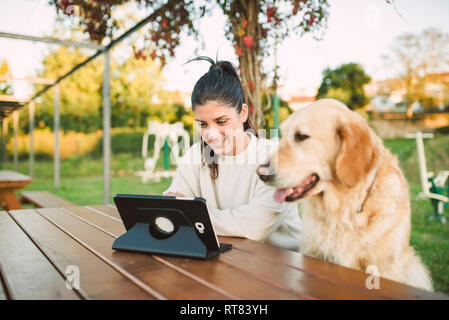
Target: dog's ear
357, 153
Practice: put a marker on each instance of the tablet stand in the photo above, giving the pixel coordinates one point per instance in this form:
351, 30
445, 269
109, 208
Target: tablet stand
183, 242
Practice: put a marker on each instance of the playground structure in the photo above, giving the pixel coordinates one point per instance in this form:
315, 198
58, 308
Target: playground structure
435, 188
165, 136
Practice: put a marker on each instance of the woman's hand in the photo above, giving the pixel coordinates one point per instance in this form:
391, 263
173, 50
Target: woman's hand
174, 194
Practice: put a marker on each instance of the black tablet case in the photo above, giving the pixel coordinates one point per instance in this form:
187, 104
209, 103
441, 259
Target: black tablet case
138, 213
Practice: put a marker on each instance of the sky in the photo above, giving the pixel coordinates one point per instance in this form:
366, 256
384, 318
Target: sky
358, 31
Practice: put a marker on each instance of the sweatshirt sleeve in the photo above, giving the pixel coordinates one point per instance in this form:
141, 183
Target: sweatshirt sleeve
256, 220
180, 183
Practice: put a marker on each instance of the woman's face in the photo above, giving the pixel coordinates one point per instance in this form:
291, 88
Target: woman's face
221, 127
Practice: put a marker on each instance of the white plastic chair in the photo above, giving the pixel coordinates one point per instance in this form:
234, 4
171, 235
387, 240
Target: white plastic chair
432, 188
163, 132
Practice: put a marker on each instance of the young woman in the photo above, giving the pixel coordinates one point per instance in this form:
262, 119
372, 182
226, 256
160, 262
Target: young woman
221, 168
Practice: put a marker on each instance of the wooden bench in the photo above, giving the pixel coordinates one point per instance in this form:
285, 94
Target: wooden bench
44, 199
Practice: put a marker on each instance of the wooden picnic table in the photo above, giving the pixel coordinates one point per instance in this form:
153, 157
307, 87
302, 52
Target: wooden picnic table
41, 248
10, 181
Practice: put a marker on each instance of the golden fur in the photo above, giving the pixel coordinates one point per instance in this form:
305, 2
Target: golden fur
358, 214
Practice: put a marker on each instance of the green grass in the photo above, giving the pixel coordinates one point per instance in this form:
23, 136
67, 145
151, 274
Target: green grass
82, 183
82, 178
430, 240
89, 190
123, 164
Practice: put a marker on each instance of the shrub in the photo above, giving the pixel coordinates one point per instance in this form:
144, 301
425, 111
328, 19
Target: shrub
77, 144
70, 144
443, 130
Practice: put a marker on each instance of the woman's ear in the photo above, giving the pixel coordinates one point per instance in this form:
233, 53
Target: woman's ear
244, 113
357, 154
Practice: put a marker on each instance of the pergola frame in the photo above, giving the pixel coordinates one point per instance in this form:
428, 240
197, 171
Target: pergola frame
31, 104
106, 93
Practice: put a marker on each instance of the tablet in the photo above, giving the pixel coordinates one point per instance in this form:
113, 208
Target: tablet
166, 214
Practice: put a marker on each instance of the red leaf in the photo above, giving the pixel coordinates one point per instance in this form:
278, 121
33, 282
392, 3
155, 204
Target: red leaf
311, 20
248, 41
271, 13
238, 51
264, 32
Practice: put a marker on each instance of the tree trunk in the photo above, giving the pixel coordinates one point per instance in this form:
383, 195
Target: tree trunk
409, 114
409, 79
250, 59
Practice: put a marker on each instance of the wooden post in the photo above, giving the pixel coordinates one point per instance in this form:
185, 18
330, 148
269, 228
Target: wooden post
4, 140
31, 126
56, 173
3, 143
15, 120
106, 130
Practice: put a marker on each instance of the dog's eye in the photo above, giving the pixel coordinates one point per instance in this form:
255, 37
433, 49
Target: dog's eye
300, 137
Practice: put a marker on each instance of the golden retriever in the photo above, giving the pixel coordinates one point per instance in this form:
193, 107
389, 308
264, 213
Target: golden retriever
355, 199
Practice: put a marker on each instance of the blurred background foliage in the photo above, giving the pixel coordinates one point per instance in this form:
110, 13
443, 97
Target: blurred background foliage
137, 96
136, 93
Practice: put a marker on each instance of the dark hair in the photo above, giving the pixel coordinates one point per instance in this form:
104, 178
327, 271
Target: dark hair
220, 84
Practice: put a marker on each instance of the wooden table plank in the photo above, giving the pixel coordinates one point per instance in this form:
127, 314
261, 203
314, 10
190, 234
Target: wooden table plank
290, 278
112, 225
294, 285
44, 199
230, 279
106, 209
219, 274
14, 184
212, 271
97, 279
327, 271
168, 282
333, 272
8, 175
26, 272
3, 290
13, 180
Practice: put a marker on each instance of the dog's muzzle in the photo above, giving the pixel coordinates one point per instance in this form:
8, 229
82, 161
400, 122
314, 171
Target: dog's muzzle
266, 172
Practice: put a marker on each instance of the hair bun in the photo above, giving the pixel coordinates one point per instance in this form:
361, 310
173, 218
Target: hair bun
225, 66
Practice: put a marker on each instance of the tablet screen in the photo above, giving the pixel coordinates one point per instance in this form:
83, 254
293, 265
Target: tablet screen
178, 210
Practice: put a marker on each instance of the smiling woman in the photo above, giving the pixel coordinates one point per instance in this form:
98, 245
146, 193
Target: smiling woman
221, 168
219, 105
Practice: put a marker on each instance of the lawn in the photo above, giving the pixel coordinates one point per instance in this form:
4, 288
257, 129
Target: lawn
81, 183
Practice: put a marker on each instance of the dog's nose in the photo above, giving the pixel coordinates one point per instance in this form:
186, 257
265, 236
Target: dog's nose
265, 172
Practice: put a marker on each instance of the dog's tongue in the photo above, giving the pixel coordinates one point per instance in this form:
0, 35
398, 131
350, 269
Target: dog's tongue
281, 194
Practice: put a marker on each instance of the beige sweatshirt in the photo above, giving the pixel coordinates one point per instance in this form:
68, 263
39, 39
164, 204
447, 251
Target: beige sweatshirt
239, 203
